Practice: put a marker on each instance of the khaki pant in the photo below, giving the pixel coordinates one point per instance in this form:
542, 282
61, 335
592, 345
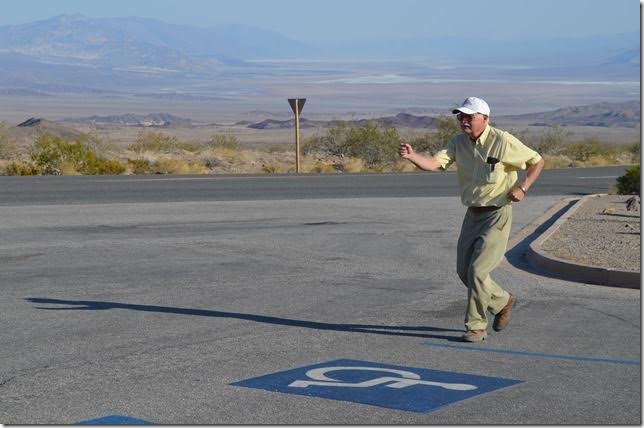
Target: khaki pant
481, 246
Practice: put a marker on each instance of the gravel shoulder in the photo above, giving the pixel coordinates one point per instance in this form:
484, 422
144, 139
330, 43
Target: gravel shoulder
601, 232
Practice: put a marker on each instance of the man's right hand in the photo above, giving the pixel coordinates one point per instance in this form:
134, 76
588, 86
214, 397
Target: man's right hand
423, 162
405, 150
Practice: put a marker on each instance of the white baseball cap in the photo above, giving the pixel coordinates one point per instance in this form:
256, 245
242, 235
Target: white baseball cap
473, 105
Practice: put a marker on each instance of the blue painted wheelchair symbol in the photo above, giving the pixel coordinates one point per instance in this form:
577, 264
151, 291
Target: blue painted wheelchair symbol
114, 420
403, 380
403, 388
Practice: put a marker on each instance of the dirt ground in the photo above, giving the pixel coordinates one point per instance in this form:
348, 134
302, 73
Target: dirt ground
602, 233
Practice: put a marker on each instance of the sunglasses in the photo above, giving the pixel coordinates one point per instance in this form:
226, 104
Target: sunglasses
461, 116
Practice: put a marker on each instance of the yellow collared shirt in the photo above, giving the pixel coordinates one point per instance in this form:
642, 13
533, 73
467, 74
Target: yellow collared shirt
482, 181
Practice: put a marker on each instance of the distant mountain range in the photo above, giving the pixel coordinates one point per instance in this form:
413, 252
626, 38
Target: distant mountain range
625, 114
162, 120
601, 114
37, 126
107, 56
134, 41
400, 120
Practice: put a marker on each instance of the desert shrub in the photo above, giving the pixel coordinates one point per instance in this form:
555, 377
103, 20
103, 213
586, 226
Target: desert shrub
276, 168
374, 144
49, 151
223, 141
557, 161
21, 168
7, 145
629, 183
281, 148
403, 166
353, 165
634, 150
140, 166
313, 144
54, 155
189, 146
433, 142
551, 141
587, 149
227, 155
177, 166
334, 142
154, 142
377, 146
68, 168
111, 167
270, 168
446, 129
594, 152
427, 143
555, 146
321, 167
212, 162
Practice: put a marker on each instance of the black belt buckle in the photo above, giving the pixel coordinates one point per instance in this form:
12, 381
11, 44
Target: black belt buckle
485, 209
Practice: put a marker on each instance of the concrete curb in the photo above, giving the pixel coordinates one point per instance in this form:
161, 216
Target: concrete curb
575, 271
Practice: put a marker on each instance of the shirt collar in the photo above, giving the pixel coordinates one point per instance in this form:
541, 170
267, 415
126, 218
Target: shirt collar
483, 136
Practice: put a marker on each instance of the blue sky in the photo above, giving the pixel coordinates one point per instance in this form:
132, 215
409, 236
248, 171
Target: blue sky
342, 20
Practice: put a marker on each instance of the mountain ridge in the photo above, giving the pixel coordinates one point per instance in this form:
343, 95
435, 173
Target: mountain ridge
140, 41
157, 120
121, 59
147, 41
604, 114
626, 114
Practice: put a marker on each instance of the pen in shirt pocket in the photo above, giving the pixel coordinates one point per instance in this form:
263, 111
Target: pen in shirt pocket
492, 161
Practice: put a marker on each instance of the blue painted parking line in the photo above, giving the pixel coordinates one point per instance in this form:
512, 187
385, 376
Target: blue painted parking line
115, 420
384, 385
536, 354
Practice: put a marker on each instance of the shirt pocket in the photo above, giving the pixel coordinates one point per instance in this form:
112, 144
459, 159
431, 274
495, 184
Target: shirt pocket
491, 173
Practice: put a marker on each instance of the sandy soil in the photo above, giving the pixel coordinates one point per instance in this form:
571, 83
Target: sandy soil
601, 232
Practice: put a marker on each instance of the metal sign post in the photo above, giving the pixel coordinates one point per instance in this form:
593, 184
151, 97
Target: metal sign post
297, 104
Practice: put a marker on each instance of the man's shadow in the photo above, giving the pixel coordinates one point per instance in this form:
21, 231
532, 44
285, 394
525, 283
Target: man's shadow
350, 328
517, 255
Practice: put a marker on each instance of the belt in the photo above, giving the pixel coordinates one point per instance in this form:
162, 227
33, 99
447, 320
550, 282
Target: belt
485, 209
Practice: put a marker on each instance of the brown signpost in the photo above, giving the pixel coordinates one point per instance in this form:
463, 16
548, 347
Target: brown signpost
297, 104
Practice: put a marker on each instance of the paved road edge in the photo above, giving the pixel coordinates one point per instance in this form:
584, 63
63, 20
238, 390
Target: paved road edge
574, 271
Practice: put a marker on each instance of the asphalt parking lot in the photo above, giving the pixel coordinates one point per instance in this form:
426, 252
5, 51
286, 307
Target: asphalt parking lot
330, 311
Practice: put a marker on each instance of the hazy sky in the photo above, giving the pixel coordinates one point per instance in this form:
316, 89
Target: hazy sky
337, 20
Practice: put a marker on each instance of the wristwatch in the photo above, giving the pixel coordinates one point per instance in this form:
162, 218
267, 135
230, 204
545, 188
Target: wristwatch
523, 189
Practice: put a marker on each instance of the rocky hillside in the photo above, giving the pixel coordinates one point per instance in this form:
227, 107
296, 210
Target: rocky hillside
141, 42
625, 115
400, 120
601, 114
164, 120
35, 126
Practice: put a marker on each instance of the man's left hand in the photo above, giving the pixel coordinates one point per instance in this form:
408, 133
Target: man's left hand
516, 194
